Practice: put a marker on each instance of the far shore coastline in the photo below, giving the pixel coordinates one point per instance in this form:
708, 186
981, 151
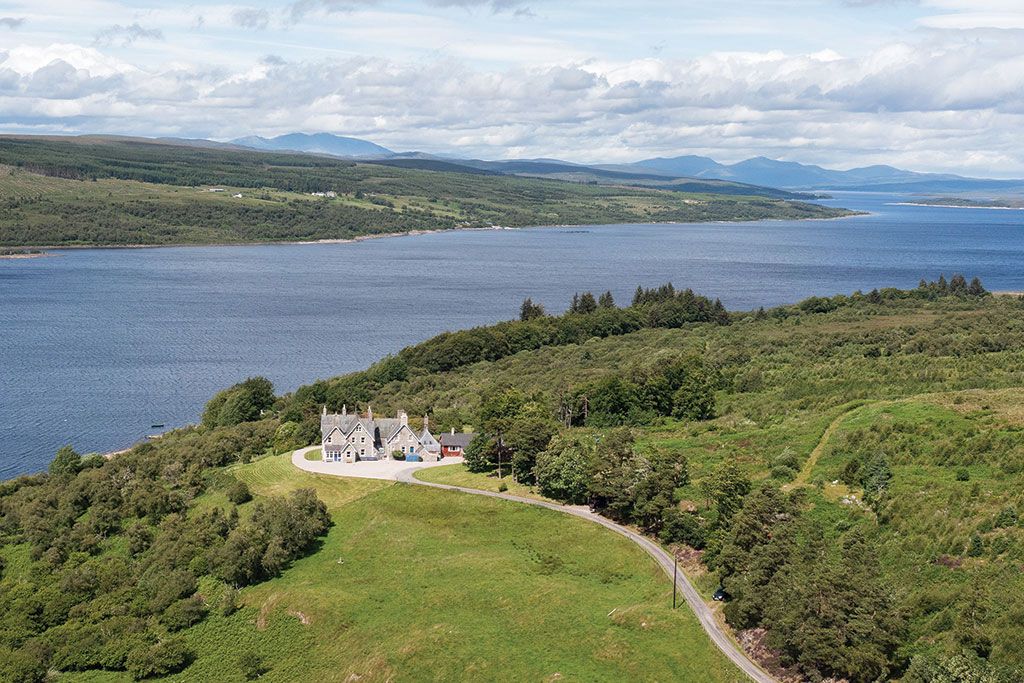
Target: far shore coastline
38, 254
958, 206
410, 233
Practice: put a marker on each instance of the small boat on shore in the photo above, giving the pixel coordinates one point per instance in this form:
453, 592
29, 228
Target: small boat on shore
159, 426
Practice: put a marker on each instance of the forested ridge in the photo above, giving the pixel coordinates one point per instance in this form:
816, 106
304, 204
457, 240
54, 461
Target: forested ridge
895, 556
124, 192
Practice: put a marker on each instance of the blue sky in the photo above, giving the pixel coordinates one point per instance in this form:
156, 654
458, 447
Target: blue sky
930, 85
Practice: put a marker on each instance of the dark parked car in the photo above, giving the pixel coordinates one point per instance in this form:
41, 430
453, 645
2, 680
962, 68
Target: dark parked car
720, 595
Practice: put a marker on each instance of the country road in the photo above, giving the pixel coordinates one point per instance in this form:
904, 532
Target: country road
704, 614
404, 473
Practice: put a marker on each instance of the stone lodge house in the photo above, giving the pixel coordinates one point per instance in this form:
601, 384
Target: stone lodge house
350, 438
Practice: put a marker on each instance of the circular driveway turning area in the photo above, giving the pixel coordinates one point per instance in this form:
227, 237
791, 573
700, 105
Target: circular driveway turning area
368, 469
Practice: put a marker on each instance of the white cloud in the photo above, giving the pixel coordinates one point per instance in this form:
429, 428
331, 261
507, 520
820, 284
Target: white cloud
933, 99
249, 17
12, 22
126, 35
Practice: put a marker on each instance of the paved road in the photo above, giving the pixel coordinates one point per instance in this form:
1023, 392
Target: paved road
704, 614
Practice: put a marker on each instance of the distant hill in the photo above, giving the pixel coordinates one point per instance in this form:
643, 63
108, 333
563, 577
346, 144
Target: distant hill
793, 175
319, 143
690, 165
620, 175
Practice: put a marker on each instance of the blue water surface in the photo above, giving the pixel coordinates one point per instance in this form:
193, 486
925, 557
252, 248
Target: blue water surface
97, 345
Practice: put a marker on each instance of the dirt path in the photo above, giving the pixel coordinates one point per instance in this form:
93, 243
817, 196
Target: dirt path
812, 460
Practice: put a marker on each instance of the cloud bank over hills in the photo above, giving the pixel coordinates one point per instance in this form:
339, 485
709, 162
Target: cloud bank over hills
935, 86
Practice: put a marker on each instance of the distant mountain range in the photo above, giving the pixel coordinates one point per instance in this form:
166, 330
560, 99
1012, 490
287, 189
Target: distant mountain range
319, 143
789, 174
692, 173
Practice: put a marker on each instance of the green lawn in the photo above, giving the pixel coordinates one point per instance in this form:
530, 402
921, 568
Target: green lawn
458, 475
414, 584
316, 454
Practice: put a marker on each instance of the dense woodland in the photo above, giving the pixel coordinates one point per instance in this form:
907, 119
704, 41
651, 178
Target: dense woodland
105, 192
894, 554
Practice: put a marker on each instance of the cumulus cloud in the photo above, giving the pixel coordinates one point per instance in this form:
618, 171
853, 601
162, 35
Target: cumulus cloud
253, 18
126, 35
301, 8
497, 6
934, 104
12, 22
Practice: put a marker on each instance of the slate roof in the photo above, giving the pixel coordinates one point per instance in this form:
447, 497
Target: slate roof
343, 422
388, 426
427, 439
461, 440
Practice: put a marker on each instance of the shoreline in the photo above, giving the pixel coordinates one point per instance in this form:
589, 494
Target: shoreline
415, 233
12, 257
957, 206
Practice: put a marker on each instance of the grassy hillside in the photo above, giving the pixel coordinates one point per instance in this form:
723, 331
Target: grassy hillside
892, 416
411, 584
849, 468
92, 191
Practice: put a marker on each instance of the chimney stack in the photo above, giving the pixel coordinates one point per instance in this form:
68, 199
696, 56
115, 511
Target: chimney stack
344, 409
426, 422
369, 412
403, 419
453, 430
325, 409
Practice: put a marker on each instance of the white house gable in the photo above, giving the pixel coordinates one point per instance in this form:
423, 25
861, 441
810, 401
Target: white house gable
352, 437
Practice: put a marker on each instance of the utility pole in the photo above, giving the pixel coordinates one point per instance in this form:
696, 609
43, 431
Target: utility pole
675, 573
501, 447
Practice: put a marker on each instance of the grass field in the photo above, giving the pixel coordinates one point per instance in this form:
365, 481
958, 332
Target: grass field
458, 475
413, 584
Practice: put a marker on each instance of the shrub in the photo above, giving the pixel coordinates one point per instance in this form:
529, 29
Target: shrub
229, 602
239, 493
1006, 517
66, 462
183, 614
244, 402
397, 455
963, 474
502, 487
251, 665
563, 470
161, 659
683, 527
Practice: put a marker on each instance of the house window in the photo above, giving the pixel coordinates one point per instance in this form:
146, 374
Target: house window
362, 440
362, 452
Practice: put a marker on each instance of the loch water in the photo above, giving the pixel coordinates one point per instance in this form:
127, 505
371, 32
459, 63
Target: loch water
98, 345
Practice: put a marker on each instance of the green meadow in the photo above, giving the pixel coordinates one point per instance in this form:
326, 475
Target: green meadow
416, 584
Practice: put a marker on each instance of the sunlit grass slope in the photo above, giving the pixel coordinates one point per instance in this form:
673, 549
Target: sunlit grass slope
414, 584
